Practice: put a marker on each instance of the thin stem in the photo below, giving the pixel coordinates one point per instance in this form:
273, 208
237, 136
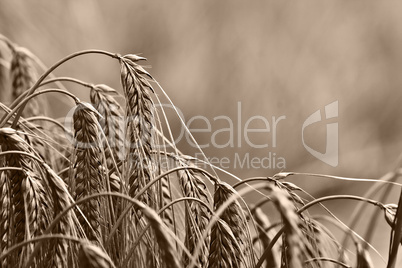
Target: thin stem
48, 72
324, 259
66, 79
312, 203
40, 239
185, 199
334, 197
20, 106
251, 180
143, 190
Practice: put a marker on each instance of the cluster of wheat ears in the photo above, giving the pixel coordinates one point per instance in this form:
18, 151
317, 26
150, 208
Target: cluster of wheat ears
114, 190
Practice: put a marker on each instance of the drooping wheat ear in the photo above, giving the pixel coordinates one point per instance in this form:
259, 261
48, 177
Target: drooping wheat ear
291, 189
293, 248
23, 75
29, 203
87, 168
164, 242
197, 216
311, 234
263, 224
91, 256
236, 221
140, 122
111, 123
363, 257
225, 250
67, 224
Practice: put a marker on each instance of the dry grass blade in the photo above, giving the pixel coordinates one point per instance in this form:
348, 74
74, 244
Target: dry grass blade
140, 122
87, 168
91, 256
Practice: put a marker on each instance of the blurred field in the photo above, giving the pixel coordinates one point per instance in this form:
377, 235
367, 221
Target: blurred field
275, 58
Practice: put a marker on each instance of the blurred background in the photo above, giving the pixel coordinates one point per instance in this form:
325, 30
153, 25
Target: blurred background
272, 58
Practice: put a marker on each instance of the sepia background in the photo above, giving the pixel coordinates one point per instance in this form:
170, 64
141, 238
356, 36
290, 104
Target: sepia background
275, 58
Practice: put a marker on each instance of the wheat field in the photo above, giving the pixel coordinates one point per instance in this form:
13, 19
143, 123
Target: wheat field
108, 187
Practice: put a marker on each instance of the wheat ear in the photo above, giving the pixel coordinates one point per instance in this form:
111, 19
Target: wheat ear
87, 168
111, 122
235, 219
293, 248
23, 75
30, 204
197, 216
5, 215
91, 256
225, 251
263, 224
67, 224
140, 122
